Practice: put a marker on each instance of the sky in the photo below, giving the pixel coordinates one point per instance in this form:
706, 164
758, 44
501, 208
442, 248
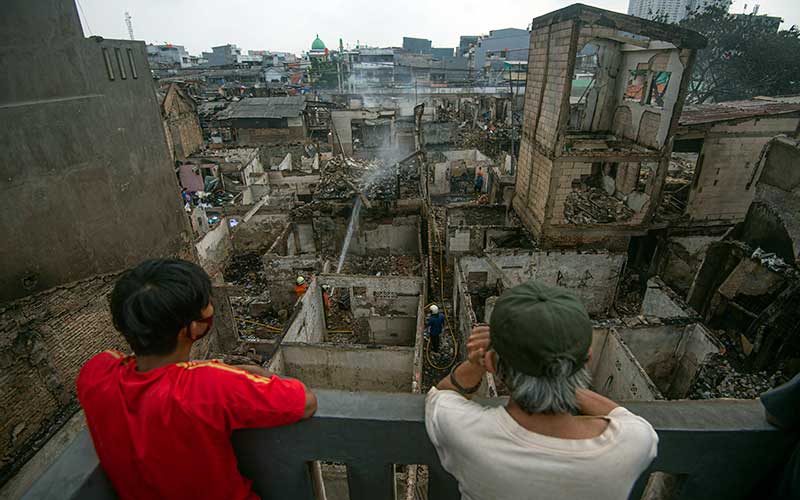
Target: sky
269, 25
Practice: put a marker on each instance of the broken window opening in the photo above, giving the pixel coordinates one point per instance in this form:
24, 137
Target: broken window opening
681, 176
634, 90
658, 88
585, 80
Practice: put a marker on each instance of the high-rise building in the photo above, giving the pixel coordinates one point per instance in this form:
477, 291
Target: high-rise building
672, 11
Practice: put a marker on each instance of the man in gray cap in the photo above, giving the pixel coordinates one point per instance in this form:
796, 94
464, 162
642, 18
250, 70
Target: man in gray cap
555, 438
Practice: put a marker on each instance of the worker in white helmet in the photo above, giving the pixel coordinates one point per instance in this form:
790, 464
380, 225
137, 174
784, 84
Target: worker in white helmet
300, 287
433, 327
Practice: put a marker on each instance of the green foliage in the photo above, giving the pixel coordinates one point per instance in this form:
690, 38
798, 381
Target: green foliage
324, 74
744, 57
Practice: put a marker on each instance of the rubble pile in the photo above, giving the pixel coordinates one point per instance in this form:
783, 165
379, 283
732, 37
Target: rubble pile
631, 295
251, 308
718, 379
343, 178
681, 168
216, 198
492, 141
246, 271
409, 181
676, 186
254, 320
594, 206
389, 265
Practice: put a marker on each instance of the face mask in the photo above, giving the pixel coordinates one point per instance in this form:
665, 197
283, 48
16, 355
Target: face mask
208, 321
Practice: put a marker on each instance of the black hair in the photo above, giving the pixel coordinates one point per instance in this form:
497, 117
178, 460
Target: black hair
153, 301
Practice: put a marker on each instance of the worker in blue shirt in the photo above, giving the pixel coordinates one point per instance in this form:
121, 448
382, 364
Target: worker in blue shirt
479, 182
434, 326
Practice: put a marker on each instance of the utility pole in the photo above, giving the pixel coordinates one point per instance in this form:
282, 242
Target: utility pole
414, 73
511, 88
339, 65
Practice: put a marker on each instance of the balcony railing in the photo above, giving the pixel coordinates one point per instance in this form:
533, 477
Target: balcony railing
716, 449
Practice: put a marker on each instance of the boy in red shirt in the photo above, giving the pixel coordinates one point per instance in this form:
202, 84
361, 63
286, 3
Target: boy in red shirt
161, 424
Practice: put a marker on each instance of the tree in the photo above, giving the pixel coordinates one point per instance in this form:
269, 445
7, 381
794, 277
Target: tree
745, 57
324, 74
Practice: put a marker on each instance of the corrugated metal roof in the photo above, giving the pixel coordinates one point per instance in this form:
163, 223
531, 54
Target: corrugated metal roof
736, 110
265, 107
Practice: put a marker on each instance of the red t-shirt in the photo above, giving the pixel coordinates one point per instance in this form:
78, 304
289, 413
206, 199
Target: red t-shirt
166, 433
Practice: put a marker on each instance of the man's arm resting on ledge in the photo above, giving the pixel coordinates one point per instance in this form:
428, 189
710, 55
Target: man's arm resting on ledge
311, 399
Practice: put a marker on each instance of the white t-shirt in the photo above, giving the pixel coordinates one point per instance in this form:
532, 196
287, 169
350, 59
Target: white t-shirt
494, 458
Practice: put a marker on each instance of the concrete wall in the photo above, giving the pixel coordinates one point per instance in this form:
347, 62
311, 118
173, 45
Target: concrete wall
309, 324
724, 184
615, 371
301, 185
400, 237
215, 248
286, 260
473, 229
593, 277
682, 258
348, 368
659, 302
670, 354
443, 174
386, 307
772, 223
437, 133
86, 164
258, 233
342, 125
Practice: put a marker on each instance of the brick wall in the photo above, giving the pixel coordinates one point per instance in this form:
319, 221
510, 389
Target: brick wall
532, 187
720, 192
44, 340
187, 134
567, 172
547, 77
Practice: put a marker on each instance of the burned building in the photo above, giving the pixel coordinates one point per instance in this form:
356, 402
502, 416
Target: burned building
591, 169
718, 148
386, 227
181, 122
265, 120
748, 284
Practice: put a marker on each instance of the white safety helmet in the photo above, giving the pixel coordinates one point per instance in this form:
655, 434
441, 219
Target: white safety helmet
434, 309
300, 280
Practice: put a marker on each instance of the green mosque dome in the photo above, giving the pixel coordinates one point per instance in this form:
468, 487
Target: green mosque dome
317, 44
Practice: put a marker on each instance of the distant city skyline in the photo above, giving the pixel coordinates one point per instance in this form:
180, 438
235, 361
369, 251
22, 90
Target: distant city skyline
200, 24
674, 10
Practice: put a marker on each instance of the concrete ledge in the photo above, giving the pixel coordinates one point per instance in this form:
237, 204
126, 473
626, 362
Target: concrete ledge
718, 449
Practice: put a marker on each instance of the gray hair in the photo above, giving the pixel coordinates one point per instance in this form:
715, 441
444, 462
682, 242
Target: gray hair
554, 392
